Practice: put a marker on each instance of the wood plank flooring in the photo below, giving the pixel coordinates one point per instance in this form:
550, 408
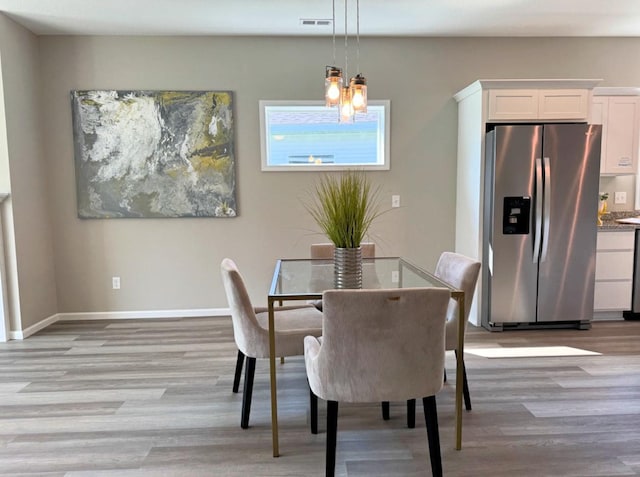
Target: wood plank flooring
153, 398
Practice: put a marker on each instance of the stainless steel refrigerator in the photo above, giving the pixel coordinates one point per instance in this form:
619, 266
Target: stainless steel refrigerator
539, 227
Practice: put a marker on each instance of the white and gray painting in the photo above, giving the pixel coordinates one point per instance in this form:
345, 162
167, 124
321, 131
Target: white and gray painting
154, 153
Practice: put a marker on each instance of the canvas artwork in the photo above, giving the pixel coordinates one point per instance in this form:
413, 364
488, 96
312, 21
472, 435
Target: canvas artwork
154, 153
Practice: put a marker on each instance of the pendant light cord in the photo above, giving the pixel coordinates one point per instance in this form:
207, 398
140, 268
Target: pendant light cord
357, 36
346, 47
333, 23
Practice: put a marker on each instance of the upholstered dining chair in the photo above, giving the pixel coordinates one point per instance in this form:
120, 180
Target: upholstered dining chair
461, 272
378, 345
251, 333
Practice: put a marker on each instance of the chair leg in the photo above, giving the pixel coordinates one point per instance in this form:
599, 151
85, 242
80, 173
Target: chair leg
385, 410
249, 373
313, 410
236, 378
411, 413
445, 375
465, 387
332, 434
433, 434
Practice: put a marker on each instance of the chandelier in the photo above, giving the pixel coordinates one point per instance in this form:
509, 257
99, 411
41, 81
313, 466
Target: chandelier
350, 98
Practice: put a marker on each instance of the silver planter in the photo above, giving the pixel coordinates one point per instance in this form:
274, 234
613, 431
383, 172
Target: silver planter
347, 267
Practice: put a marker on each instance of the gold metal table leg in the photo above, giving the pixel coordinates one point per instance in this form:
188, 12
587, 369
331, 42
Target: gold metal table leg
272, 372
459, 370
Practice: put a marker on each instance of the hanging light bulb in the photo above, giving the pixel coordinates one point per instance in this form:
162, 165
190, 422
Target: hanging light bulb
333, 81
332, 86
346, 105
352, 96
358, 86
358, 83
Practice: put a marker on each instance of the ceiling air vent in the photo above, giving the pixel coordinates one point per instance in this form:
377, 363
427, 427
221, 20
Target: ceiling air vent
315, 22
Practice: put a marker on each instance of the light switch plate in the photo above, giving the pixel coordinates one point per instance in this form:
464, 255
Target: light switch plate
395, 201
620, 198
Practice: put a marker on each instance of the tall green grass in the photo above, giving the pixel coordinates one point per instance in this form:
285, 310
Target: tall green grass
344, 206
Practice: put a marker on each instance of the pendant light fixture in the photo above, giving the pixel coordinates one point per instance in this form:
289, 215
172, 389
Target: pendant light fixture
333, 74
351, 97
358, 83
346, 108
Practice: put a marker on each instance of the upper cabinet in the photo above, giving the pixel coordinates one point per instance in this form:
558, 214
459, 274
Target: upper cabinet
618, 110
538, 104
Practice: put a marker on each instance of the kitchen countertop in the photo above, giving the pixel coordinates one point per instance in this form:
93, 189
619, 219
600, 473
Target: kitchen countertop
609, 223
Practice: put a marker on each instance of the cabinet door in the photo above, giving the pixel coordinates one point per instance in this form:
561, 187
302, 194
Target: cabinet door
612, 296
513, 104
614, 271
623, 122
563, 104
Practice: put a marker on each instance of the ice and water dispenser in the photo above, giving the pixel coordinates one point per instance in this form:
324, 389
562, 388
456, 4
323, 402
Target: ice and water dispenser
516, 215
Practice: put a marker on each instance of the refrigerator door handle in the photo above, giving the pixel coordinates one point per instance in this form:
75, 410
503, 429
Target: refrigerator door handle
547, 210
538, 226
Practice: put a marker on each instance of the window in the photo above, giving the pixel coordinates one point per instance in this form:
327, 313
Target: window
306, 135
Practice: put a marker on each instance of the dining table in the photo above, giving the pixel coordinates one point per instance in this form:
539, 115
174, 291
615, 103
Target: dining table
307, 279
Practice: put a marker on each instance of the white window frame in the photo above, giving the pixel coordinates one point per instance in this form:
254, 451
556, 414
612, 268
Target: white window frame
382, 141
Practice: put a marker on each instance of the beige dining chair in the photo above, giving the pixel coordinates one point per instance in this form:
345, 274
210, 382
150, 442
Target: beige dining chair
251, 332
462, 273
378, 345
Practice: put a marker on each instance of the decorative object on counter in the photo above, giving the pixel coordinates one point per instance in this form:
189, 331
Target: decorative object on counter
154, 153
602, 209
344, 206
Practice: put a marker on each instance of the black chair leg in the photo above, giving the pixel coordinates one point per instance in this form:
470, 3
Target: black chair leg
249, 373
236, 378
313, 409
411, 413
332, 435
465, 387
445, 375
385, 410
433, 434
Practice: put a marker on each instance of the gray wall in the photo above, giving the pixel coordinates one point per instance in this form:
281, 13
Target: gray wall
173, 263
27, 231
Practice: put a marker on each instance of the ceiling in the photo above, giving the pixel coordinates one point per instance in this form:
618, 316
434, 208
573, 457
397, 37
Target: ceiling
283, 17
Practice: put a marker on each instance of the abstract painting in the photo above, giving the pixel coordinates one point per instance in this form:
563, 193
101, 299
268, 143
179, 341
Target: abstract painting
154, 153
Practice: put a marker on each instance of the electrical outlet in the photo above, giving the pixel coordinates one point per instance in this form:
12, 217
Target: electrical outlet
395, 276
115, 283
620, 198
395, 201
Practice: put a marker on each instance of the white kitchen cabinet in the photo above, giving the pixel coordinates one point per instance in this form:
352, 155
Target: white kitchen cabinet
614, 271
619, 113
538, 104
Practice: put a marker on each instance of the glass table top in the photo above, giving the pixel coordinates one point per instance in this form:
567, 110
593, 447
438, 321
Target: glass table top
308, 278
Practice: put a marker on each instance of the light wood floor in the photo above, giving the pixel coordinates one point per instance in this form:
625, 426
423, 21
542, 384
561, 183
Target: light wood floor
153, 398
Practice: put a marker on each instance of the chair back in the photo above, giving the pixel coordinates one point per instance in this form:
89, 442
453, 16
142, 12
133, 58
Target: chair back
381, 345
325, 250
461, 272
247, 333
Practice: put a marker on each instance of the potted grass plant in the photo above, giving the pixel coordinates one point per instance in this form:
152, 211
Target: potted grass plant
344, 206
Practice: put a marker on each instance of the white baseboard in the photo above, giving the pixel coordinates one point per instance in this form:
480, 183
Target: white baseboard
118, 315
20, 335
